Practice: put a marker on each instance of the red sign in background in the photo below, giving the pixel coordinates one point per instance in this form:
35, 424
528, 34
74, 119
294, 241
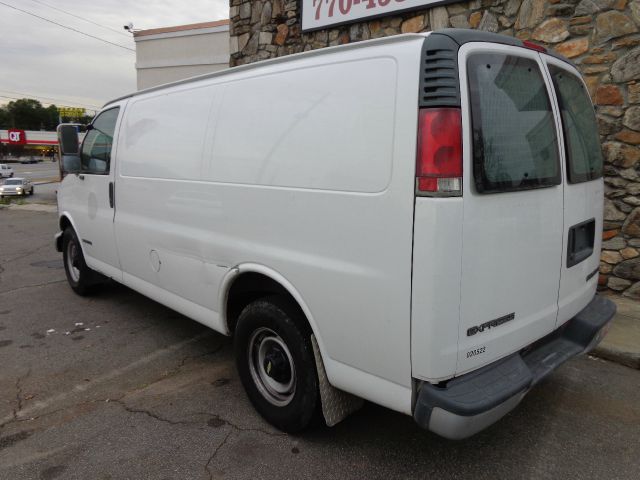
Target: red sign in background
17, 137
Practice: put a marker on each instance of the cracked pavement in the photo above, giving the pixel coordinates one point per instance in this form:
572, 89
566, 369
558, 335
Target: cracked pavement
116, 386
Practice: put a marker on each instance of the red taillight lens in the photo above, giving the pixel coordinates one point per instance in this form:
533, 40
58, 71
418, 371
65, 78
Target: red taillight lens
534, 46
439, 162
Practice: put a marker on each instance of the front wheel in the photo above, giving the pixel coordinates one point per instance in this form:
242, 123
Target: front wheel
275, 361
81, 278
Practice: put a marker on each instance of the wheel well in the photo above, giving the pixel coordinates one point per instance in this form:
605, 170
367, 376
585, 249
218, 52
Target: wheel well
64, 223
249, 287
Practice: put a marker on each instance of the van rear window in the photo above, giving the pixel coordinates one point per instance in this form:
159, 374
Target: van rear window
582, 142
514, 137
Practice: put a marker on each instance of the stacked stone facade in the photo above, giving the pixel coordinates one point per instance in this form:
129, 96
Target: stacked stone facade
602, 37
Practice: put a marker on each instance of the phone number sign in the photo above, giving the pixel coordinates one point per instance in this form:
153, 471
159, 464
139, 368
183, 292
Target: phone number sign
323, 13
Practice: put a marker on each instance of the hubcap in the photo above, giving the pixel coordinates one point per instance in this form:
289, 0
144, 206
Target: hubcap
73, 258
272, 367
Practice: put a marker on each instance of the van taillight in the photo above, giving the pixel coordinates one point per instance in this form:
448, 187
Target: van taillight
439, 162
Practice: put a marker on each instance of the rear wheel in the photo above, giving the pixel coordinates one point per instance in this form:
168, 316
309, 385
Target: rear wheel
275, 361
81, 278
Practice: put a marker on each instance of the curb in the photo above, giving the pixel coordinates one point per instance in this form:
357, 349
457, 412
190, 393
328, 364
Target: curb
622, 343
46, 182
613, 354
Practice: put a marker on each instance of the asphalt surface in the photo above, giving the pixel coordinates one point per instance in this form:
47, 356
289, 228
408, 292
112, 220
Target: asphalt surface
116, 386
41, 171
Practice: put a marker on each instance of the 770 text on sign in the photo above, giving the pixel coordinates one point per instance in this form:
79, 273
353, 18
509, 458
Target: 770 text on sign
324, 13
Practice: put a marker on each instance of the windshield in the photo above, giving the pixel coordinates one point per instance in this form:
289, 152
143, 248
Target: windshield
13, 182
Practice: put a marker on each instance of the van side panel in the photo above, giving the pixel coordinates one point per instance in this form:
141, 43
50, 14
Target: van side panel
164, 134
332, 214
329, 127
158, 219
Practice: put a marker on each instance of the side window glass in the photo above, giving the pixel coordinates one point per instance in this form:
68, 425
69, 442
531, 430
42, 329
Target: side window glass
95, 156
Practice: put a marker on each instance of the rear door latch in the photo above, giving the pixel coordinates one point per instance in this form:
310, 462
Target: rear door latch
580, 244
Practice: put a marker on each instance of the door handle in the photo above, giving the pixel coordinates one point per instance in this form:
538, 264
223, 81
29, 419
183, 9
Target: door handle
111, 192
581, 241
81, 177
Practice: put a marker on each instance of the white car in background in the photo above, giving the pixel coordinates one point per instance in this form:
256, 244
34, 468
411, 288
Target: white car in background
5, 171
16, 186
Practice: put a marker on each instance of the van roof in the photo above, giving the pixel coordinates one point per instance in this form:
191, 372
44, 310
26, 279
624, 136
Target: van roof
272, 61
458, 35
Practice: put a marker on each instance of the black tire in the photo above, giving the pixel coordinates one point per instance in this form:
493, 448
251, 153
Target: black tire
31, 192
85, 280
285, 320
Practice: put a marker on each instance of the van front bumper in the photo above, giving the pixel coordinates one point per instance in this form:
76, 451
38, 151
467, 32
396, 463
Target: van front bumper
472, 402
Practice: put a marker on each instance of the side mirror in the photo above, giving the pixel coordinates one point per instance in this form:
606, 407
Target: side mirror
70, 164
68, 139
69, 143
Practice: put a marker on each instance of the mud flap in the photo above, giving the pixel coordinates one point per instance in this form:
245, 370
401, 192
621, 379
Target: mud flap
336, 404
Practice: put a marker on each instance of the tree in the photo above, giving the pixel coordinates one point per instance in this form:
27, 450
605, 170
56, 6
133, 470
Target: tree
52, 117
27, 114
5, 118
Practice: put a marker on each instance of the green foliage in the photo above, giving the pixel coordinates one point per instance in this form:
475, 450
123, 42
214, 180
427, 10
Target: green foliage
5, 118
28, 114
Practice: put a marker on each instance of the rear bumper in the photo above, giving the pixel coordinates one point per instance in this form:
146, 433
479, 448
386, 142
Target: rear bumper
472, 402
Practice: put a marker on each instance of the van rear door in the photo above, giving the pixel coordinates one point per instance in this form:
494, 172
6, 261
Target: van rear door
513, 203
583, 191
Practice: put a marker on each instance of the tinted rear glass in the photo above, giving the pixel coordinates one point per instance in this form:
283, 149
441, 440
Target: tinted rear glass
582, 142
514, 137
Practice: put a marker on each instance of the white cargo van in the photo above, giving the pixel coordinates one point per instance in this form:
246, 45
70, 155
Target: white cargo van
414, 221
6, 171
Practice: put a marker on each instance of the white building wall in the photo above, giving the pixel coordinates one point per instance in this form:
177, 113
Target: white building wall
167, 56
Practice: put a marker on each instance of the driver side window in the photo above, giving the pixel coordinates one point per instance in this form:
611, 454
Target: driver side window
95, 156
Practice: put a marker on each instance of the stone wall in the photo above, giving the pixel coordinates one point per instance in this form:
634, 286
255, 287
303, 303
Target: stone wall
601, 36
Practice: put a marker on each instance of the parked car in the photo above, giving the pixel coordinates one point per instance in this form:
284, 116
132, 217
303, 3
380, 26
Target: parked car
16, 186
414, 221
27, 160
5, 171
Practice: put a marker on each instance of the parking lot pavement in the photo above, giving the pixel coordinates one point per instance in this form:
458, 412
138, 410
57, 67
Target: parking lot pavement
37, 172
117, 386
